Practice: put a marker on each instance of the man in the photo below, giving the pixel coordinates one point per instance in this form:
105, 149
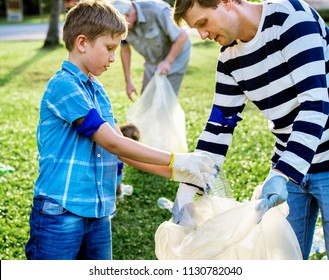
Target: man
154, 35
276, 55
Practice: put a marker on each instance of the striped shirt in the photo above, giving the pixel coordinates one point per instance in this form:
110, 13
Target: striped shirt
284, 71
74, 170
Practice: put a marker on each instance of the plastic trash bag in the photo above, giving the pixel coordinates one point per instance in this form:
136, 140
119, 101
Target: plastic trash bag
218, 227
159, 116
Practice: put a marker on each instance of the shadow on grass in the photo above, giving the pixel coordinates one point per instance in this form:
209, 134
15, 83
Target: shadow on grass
42, 52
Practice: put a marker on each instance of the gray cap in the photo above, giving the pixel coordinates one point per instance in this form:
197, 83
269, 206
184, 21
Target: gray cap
123, 6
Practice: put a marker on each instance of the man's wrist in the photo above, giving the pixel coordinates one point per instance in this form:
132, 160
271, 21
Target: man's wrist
276, 172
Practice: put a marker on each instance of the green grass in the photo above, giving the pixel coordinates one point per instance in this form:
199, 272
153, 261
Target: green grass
25, 71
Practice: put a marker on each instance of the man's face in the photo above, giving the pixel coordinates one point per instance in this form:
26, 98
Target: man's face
214, 24
131, 17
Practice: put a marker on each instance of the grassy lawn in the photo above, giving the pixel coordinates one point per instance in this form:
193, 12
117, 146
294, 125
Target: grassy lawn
23, 76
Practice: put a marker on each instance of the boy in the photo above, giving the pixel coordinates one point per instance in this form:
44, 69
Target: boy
79, 144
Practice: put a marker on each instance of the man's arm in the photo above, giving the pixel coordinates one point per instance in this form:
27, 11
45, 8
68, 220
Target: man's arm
176, 48
125, 53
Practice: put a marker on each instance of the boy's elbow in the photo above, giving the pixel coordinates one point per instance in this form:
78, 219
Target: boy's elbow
108, 139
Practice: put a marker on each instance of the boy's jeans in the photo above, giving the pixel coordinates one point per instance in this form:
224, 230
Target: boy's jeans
304, 202
57, 234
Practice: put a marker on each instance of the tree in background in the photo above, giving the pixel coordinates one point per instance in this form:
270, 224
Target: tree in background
52, 39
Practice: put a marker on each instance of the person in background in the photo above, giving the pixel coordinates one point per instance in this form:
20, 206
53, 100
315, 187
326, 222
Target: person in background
68, 4
79, 145
153, 34
276, 54
131, 131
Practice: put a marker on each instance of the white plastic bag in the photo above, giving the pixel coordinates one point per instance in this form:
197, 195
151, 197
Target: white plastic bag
215, 227
159, 116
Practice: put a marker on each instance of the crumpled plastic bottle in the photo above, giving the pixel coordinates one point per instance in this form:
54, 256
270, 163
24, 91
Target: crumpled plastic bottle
221, 187
318, 245
165, 203
5, 169
127, 189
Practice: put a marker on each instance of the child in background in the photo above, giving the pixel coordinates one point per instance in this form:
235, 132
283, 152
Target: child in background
131, 131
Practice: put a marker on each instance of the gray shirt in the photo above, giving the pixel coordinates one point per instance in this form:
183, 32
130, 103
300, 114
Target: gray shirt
154, 32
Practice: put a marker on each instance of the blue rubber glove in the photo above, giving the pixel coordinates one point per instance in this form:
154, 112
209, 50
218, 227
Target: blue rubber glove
274, 190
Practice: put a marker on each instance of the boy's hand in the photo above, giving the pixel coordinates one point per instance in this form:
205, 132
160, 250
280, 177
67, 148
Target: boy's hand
198, 164
201, 186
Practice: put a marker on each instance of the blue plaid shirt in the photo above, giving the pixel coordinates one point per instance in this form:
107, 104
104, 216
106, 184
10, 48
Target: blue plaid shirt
74, 170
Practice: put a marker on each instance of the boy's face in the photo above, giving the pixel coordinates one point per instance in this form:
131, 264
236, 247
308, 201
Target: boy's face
100, 54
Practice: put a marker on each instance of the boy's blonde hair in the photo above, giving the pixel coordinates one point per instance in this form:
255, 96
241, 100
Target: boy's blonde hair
92, 18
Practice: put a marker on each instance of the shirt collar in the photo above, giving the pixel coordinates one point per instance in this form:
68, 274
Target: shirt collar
140, 13
74, 70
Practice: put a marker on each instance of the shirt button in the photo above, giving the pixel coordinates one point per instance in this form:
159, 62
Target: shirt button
98, 155
98, 183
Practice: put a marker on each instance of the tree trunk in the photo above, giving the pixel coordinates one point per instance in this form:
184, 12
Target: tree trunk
52, 39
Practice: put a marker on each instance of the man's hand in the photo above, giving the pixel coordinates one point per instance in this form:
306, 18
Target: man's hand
164, 67
185, 195
274, 190
130, 89
201, 186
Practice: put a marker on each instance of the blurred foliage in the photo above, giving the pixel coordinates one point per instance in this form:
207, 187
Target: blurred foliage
324, 14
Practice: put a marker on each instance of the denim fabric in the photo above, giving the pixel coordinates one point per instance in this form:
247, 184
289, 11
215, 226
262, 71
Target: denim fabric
304, 202
119, 173
57, 234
